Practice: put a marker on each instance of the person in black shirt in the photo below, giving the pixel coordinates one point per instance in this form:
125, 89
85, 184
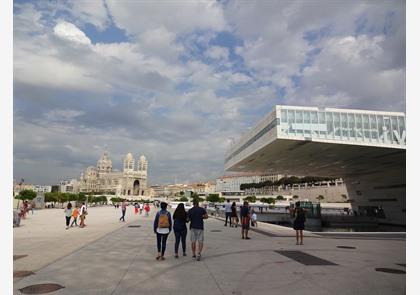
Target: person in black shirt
180, 228
196, 215
245, 219
299, 222
234, 215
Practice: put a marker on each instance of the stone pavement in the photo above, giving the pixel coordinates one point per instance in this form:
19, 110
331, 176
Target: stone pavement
42, 236
123, 262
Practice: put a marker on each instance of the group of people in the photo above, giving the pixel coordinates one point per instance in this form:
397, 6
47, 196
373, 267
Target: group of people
248, 214
138, 208
75, 213
164, 223
25, 208
232, 215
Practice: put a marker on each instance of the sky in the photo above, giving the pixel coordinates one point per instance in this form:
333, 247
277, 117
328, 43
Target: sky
178, 81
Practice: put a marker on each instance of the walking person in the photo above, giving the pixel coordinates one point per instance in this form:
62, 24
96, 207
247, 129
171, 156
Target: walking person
254, 218
141, 206
228, 213
31, 207
68, 212
146, 209
136, 208
245, 220
299, 222
234, 214
180, 228
123, 209
162, 227
83, 213
196, 216
75, 214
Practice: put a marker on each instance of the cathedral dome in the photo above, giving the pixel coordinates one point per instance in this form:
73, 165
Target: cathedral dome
104, 163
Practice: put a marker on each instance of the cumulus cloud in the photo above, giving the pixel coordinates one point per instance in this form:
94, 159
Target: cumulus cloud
217, 52
176, 16
69, 31
188, 76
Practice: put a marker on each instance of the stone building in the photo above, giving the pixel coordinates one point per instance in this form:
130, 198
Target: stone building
130, 182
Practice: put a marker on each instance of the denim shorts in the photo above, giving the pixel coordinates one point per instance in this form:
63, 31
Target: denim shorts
197, 235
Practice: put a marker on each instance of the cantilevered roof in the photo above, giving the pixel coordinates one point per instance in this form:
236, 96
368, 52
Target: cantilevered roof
327, 142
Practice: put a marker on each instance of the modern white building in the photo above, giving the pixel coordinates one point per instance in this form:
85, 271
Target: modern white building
68, 186
230, 184
42, 188
365, 148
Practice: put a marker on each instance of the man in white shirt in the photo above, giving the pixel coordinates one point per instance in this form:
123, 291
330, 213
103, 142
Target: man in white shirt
228, 213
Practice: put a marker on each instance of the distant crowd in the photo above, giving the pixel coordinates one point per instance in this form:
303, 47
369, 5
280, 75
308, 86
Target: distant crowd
164, 223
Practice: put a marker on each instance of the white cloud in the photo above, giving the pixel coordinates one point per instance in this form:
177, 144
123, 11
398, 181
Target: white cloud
91, 11
146, 92
217, 52
178, 17
63, 115
69, 31
351, 71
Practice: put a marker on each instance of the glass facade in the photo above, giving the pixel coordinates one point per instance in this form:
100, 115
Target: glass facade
351, 126
344, 125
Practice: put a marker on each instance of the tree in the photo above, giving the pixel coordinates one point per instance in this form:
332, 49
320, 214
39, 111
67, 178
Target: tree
182, 193
295, 197
51, 197
268, 200
320, 197
182, 199
62, 197
271, 200
213, 198
251, 199
280, 198
26, 195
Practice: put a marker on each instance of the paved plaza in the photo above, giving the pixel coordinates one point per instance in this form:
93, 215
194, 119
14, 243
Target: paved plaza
111, 257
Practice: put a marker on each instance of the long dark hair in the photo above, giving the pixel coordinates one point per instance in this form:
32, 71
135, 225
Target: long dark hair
180, 212
69, 205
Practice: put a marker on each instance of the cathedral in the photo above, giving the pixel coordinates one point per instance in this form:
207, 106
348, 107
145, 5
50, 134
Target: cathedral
130, 182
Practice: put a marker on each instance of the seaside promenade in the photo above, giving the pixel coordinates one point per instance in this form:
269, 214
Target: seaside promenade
111, 257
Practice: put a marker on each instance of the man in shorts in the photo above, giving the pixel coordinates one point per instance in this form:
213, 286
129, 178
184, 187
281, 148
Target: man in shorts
196, 216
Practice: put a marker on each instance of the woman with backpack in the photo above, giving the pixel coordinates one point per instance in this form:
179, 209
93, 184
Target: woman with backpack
162, 227
180, 228
299, 222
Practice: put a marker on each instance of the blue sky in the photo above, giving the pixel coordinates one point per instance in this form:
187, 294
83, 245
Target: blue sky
176, 81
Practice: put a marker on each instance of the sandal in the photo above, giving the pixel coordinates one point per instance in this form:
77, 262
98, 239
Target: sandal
158, 257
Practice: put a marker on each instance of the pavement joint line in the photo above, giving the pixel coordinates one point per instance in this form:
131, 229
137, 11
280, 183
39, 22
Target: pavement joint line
248, 272
214, 279
125, 273
78, 249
